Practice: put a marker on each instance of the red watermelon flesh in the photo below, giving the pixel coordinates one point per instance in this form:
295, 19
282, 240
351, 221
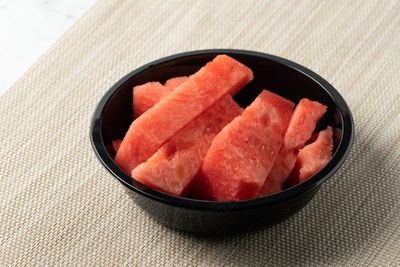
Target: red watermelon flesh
172, 168
312, 158
301, 126
200, 91
305, 117
116, 144
280, 171
242, 154
147, 95
175, 82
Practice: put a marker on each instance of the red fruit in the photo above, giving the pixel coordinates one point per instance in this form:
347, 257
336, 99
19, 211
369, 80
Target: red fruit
152, 129
312, 158
305, 117
242, 154
147, 95
279, 173
172, 168
175, 82
302, 124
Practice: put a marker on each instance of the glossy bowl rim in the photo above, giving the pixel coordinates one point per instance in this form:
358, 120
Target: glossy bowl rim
339, 157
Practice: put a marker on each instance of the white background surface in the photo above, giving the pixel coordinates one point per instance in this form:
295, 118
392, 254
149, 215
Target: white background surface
28, 28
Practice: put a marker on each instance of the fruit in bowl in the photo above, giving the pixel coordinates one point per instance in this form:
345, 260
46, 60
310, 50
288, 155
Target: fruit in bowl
222, 136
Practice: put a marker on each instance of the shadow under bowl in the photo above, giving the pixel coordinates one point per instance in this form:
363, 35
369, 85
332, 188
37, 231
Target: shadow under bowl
112, 118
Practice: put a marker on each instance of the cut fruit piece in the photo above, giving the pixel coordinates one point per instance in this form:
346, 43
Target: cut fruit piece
305, 117
312, 158
242, 154
116, 144
147, 95
157, 125
172, 168
175, 82
280, 171
301, 126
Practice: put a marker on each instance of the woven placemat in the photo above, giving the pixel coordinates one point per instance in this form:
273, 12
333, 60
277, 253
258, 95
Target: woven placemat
58, 206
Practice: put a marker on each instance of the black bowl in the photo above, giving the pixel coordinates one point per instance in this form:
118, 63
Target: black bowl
288, 79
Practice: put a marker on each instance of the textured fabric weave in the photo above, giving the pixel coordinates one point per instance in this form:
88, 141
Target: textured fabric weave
59, 207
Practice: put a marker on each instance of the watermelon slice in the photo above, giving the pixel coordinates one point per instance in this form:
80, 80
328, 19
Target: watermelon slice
280, 171
175, 82
312, 158
147, 95
172, 168
157, 125
302, 124
116, 144
242, 154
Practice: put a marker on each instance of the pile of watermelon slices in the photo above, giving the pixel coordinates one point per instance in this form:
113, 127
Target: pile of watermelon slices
190, 138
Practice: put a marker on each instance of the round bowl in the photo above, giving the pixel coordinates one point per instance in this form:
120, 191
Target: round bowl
112, 118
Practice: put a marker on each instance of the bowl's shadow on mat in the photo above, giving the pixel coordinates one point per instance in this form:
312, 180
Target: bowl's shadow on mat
339, 222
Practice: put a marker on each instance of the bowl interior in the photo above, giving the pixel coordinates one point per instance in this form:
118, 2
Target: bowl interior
275, 74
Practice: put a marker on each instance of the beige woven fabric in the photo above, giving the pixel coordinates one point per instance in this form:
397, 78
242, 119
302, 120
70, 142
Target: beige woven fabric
59, 207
